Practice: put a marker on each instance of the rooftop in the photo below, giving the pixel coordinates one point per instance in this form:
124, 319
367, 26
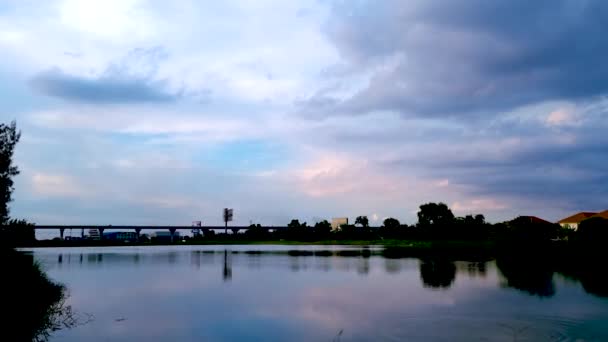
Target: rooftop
577, 218
603, 214
534, 219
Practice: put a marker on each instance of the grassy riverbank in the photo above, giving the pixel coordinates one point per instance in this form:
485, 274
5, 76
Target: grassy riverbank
33, 305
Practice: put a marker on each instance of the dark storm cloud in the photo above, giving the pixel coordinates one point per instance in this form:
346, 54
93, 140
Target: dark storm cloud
571, 174
132, 79
104, 89
438, 58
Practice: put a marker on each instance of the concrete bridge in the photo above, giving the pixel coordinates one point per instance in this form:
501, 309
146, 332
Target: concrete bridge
138, 229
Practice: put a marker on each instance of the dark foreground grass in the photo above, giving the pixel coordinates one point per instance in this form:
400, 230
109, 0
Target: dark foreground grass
33, 306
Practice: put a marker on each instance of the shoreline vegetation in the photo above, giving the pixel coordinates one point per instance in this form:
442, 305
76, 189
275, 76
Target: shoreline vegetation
35, 306
437, 231
527, 250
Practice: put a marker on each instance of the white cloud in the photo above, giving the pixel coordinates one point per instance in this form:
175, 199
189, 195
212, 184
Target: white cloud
442, 183
57, 185
241, 69
330, 175
480, 205
108, 19
563, 116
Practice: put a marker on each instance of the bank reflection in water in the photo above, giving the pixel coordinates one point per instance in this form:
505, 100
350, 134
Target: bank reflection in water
530, 276
437, 273
536, 276
312, 293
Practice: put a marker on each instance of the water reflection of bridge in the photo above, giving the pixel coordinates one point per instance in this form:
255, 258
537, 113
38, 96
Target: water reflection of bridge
138, 229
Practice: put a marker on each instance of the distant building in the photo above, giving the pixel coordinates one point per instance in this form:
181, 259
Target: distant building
94, 234
573, 221
337, 222
120, 236
164, 236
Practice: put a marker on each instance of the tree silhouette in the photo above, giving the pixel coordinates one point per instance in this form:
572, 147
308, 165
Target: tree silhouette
391, 228
391, 223
435, 214
323, 228
480, 219
295, 223
363, 221
593, 230
435, 219
9, 136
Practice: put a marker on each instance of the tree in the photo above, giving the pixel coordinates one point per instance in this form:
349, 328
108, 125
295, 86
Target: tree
391, 223
9, 136
295, 223
257, 231
593, 230
363, 221
435, 214
297, 230
391, 228
17, 233
471, 227
480, 220
323, 227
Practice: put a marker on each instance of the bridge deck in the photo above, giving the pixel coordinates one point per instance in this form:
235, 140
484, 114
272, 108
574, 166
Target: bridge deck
147, 227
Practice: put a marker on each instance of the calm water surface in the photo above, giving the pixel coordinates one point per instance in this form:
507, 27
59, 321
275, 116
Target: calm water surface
313, 293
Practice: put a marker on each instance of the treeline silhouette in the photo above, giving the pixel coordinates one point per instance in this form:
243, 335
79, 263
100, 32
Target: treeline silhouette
33, 306
437, 227
436, 222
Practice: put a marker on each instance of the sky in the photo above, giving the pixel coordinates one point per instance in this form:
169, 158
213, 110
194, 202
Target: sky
165, 112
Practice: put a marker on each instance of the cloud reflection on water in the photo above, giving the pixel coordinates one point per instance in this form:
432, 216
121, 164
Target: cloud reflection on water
239, 292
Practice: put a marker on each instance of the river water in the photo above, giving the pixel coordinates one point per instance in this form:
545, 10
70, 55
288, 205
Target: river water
314, 293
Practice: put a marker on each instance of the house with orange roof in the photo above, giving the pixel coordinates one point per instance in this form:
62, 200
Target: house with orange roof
603, 214
573, 221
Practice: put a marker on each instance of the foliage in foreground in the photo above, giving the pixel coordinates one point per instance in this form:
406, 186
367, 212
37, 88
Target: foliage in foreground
34, 306
9, 137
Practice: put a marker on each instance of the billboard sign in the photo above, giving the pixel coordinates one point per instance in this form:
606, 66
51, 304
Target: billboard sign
228, 213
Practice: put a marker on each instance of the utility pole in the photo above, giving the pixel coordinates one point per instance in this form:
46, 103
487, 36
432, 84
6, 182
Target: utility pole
227, 217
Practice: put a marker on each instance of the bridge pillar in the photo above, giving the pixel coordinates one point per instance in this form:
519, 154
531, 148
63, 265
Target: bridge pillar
172, 231
235, 230
137, 232
101, 233
61, 230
